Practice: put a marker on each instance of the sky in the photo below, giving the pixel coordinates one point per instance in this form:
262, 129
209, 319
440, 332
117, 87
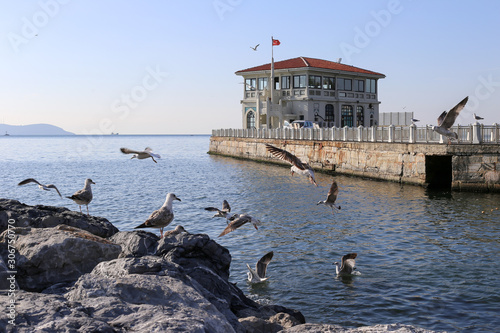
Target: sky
168, 67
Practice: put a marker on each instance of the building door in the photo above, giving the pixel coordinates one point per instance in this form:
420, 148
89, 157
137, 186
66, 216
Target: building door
251, 119
329, 115
346, 116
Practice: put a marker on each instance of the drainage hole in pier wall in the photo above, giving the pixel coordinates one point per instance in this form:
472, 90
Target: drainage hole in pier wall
438, 171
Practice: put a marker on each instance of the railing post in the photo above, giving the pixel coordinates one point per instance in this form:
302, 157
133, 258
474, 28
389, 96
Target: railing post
411, 138
476, 133
391, 133
344, 133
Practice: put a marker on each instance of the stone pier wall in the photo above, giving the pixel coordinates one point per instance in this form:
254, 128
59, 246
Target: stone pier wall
473, 167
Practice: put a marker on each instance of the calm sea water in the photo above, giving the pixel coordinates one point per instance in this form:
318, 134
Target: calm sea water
429, 259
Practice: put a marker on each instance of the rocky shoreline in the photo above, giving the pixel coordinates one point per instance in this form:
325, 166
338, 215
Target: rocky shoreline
63, 271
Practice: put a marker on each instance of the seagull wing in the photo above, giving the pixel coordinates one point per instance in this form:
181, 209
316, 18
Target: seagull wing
235, 224
441, 118
29, 180
130, 151
225, 206
212, 209
334, 191
348, 262
262, 264
286, 156
452, 115
55, 188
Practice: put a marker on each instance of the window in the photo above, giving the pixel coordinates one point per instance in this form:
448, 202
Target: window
371, 86
329, 115
360, 115
262, 83
359, 85
299, 81
314, 81
250, 118
346, 116
329, 83
344, 84
285, 82
250, 84
277, 83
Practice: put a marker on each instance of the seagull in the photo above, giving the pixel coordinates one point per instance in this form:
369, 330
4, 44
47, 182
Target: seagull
476, 117
331, 197
178, 230
41, 186
239, 220
259, 274
447, 119
297, 165
146, 153
413, 120
347, 264
162, 217
224, 212
255, 47
83, 196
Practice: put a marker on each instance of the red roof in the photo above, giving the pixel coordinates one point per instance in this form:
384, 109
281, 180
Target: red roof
300, 62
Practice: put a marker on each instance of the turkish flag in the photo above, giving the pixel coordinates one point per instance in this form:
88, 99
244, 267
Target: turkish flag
276, 42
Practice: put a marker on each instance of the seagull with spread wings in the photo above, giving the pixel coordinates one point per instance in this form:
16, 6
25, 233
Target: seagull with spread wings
140, 155
41, 186
347, 265
259, 274
331, 197
224, 212
254, 47
239, 220
297, 165
447, 119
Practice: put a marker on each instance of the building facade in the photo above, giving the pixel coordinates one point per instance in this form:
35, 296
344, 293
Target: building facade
329, 93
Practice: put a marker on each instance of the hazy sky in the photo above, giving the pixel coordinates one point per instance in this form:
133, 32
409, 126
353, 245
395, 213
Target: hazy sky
167, 67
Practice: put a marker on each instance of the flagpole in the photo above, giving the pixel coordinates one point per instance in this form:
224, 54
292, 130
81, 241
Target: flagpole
272, 70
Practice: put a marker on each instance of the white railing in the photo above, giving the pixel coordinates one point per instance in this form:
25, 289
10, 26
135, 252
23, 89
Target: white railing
473, 134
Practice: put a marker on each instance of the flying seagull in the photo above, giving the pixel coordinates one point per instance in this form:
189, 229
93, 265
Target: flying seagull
297, 165
41, 186
239, 220
83, 196
146, 153
476, 117
224, 212
255, 47
259, 274
447, 119
347, 265
331, 197
162, 217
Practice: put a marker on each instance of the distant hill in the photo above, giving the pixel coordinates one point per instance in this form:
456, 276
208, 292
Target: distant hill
34, 129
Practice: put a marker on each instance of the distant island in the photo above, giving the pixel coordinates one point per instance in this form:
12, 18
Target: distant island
34, 129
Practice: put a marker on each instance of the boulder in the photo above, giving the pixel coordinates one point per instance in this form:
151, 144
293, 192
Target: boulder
47, 217
135, 243
46, 256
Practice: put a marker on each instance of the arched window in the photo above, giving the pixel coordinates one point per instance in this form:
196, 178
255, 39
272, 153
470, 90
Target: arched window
360, 116
251, 119
346, 116
329, 115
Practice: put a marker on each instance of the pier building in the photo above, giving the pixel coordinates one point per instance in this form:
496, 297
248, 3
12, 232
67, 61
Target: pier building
331, 94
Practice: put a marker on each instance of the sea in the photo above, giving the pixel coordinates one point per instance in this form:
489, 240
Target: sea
424, 258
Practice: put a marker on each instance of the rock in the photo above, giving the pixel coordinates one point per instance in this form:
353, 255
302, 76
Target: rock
47, 217
135, 243
46, 256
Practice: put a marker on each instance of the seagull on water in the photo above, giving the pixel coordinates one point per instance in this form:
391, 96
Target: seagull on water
239, 220
254, 47
447, 119
331, 197
162, 217
224, 212
140, 155
297, 165
41, 186
347, 265
476, 117
83, 196
259, 274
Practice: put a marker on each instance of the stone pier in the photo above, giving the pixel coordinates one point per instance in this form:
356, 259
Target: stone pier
465, 167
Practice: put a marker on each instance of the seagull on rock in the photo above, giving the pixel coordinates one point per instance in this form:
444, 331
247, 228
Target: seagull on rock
239, 220
347, 265
297, 165
140, 155
331, 197
162, 217
259, 274
447, 119
224, 212
41, 186
83, 196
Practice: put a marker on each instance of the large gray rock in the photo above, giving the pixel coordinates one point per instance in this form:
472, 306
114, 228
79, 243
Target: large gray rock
47, 217
135, 243
46, 256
